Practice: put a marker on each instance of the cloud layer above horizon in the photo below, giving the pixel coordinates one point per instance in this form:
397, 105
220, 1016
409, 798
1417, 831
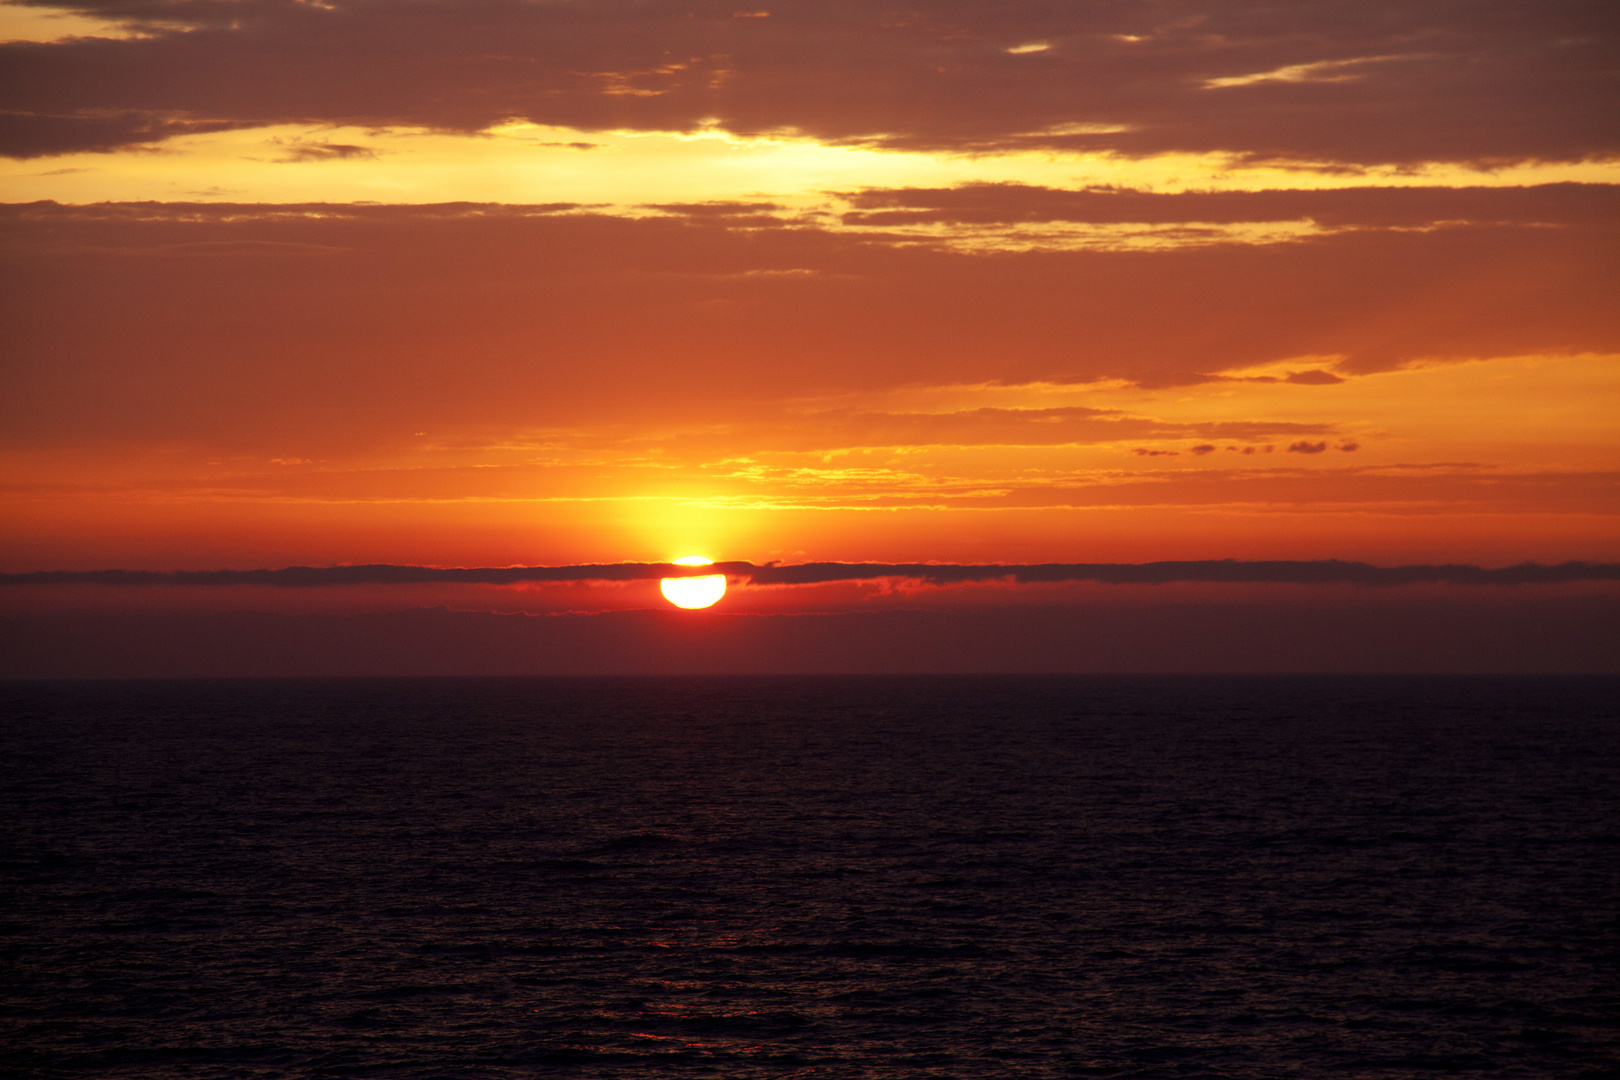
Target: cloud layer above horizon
1221, 571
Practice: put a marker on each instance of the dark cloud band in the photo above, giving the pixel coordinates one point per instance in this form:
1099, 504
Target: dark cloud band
1312, 80
1229, 571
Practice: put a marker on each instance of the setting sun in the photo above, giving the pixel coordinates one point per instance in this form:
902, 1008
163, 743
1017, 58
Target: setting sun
693, 592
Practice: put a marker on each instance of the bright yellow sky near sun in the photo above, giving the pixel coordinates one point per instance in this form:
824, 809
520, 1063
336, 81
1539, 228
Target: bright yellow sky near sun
1504, 429
525, 163
18, 23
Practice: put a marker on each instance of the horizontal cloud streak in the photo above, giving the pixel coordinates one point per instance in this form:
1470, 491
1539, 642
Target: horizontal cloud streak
1227, 571
1281, 572
1357, 207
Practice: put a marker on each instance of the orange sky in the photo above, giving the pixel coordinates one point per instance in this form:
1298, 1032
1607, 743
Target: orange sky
500, 283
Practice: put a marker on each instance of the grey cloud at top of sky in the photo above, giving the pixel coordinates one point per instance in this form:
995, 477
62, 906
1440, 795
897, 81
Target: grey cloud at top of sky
1347, 81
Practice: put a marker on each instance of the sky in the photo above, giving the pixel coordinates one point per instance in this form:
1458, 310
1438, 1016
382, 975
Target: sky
569, 282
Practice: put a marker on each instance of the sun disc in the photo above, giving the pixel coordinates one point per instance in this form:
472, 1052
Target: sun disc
693, 592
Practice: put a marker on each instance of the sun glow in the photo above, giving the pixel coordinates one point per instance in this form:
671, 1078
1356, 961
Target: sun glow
627, 172
693, 592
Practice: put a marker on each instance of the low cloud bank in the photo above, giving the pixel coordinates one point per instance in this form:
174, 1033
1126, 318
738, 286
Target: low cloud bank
1283, 572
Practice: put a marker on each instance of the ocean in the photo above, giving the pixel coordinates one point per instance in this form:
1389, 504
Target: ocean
840, 877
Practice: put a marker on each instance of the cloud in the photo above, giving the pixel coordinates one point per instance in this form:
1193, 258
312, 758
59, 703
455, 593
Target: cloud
1317, 572
30, 134
410, 311
988, 426
1314, 80
1342, 208
239, 248
1348, 446
1313, 378
302, 152
730, 213
1226, 571
1319, 72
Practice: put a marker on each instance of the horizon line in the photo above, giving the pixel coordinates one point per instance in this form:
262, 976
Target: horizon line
1214, 571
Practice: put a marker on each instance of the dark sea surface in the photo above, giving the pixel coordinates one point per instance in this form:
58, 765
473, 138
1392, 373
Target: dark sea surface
833, 877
